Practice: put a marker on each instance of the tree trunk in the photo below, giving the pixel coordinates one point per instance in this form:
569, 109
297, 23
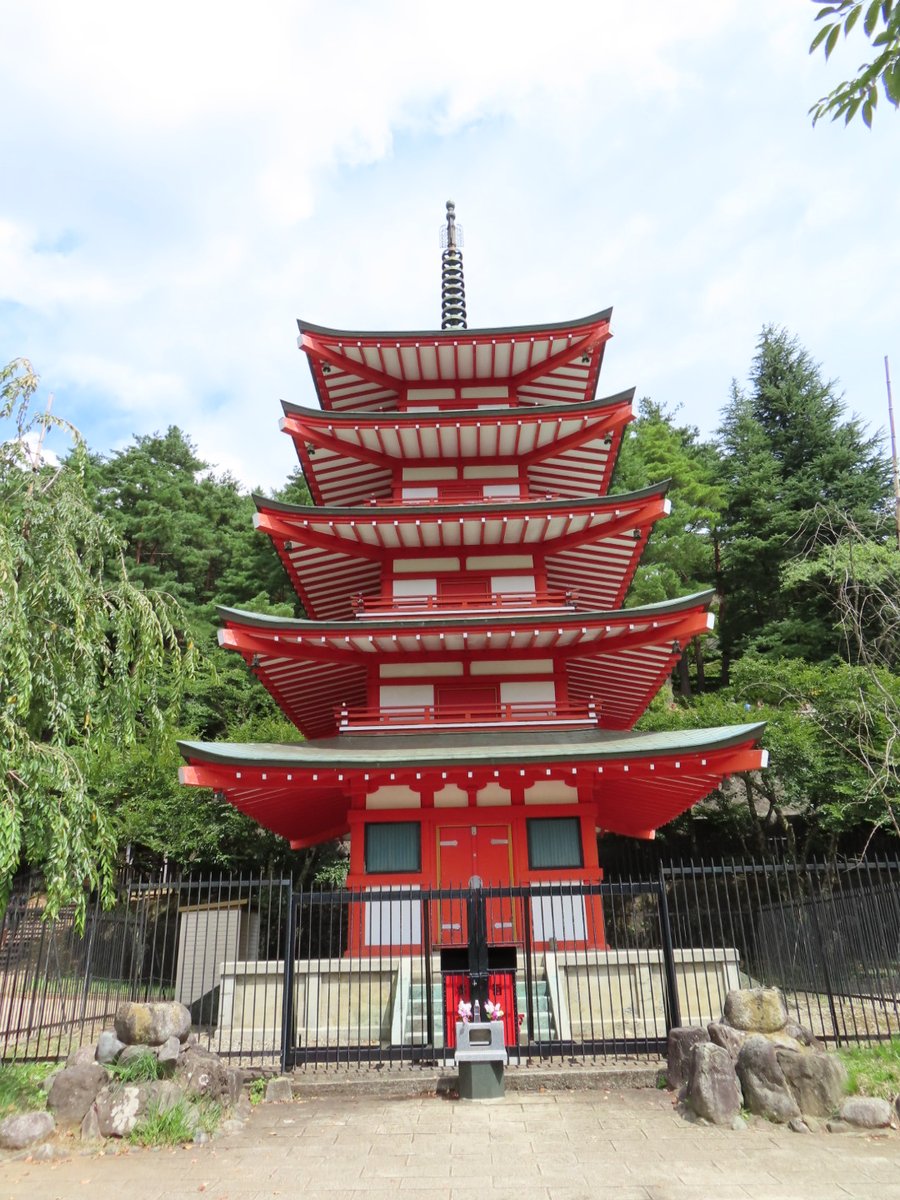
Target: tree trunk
701, 664
684, 677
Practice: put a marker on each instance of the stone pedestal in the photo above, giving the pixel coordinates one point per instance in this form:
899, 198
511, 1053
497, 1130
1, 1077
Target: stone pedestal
481, 1081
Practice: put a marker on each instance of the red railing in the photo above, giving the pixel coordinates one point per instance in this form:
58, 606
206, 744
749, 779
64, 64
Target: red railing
371, 606
415, 717
470, 492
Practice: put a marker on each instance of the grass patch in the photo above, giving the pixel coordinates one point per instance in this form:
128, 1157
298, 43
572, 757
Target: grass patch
20, 1086
874, 1070
142, 1068
172, 1127
176, 1125
257, 1091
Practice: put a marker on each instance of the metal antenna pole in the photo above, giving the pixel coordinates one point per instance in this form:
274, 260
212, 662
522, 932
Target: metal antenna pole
887, 378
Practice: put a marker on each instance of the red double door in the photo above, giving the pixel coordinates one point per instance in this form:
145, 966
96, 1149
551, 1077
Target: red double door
466, 852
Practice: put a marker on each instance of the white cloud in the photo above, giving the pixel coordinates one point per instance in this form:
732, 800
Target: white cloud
186, 180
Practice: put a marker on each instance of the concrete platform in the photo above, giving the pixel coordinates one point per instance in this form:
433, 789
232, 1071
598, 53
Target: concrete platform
581, 1145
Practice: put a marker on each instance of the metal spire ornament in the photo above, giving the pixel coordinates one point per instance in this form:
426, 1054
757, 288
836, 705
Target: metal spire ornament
453, 288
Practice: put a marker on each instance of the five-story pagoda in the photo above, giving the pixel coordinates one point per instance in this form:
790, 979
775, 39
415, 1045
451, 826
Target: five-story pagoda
466, 678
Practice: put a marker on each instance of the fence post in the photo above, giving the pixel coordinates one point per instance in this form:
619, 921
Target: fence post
287, 999
673, 1008
826, 974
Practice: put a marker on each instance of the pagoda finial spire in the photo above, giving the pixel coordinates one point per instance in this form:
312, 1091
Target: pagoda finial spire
453, 288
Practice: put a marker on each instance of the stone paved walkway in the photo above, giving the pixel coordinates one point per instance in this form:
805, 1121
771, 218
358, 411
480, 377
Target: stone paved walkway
566, 1146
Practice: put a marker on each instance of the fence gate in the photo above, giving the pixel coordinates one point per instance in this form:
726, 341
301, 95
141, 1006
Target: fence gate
577, 971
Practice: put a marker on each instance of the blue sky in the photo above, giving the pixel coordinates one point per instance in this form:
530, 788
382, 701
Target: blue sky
180, 183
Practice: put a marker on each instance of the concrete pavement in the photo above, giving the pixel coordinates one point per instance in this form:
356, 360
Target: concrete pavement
621, 1145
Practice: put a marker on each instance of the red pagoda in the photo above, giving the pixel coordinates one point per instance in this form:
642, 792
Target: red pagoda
465, 678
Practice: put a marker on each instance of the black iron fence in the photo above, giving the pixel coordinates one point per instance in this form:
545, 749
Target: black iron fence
272, 973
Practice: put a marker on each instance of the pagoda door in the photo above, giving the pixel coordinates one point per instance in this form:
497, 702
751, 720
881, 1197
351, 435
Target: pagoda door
464, 853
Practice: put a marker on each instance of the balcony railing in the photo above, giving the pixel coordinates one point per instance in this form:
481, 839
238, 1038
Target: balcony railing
413, 718
458, 493
467, 602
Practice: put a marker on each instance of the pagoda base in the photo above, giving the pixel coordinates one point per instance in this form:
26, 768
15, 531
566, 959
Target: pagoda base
577, 996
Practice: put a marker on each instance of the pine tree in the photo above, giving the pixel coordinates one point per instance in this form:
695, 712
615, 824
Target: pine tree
791, 461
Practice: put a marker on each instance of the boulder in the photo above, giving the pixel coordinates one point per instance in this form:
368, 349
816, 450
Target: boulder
73, 1092
108, 1046
118, 1108
160, 1095
712, 1090
279, 1090
202, 1073
866, 1112
802, 1035
798, 1125
152, 1023
729, 1039
816, 1081
682, 1040
763, 1083
756, 1010
82, 1057
168, 1053
25, 1129
234, 1084
90, 1126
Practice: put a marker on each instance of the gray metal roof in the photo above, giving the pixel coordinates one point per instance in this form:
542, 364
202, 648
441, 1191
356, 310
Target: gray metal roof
433, 749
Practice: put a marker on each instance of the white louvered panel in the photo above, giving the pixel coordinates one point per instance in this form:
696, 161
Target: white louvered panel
311, 690
595, 572
623, 682
329, 580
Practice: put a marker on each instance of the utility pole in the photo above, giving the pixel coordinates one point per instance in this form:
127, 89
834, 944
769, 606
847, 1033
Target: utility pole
887, 379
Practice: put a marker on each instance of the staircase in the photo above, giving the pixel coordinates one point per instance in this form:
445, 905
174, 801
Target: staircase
413, 1021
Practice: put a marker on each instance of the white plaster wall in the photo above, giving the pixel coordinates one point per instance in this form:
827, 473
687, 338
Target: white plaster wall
512, 583
450, 796
551, 791
393, 695
492, 795
415, 587
393, 796
539, 691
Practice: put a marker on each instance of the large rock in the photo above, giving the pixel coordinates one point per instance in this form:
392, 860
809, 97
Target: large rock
816, 1081
81, 1057
866, 1112
713, 1091
108, 1046
167, 1055
25, 1129
801, 1034
160, 1095
202, 1073
765, 1088
73, 1092
729, 1039
682, 1040
118, 1108
152, 1023
757, 1010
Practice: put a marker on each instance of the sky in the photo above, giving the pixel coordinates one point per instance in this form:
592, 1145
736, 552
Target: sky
181, 181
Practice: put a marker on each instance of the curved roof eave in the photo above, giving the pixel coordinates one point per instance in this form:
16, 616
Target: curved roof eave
564, 411
357, 512
660, 608
454, 334
441, 750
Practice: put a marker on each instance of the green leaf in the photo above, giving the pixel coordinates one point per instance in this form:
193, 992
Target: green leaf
867, 114
820, 37
852, 18
891, 81
833, 36
873, 12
